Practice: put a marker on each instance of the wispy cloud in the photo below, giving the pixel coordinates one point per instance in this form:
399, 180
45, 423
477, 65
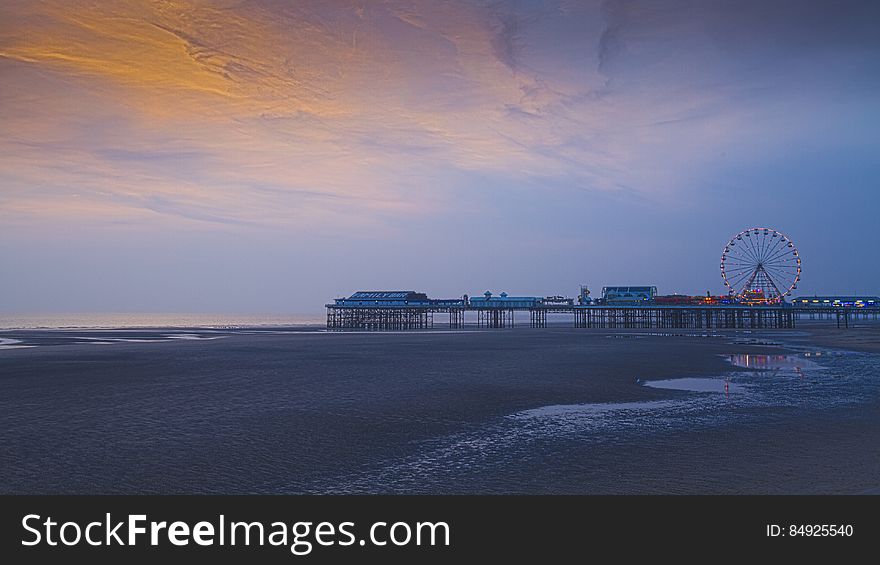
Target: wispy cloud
347, 110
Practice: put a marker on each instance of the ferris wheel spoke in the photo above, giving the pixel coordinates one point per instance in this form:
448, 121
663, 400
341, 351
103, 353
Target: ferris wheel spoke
772, 244
750, 248
732, 265
739, 270
781, 269
791, 269
741, 259
772, 249
759, 244
784, 261
784, 275
736, 280
758, 247
737, 277
782, 257
781, 253
780, 275
787, 265
763, 247
743, 249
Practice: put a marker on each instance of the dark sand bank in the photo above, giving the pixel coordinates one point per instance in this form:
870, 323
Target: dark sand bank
308, 411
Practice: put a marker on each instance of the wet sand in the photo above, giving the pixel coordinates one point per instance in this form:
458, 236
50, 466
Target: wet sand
862, 335
308, 411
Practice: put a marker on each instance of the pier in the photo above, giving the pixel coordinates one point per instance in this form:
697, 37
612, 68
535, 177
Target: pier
385, 318
408, 310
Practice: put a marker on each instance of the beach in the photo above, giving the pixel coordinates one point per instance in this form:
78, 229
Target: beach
555, 410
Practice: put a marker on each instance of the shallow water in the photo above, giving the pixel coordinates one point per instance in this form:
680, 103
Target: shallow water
697, 384
554, 439
151, 320
12, 344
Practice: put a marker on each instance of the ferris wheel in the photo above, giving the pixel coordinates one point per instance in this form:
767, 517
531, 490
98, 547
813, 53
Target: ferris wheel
761, 262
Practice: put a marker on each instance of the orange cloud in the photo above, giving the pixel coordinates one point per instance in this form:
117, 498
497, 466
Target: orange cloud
301, 114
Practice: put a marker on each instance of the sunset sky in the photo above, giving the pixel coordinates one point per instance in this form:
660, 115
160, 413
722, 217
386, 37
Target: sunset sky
266, 156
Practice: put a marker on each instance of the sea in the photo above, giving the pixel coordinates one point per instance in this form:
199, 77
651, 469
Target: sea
64, 320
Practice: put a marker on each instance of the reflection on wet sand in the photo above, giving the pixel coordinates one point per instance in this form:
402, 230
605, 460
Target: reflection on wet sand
788, 363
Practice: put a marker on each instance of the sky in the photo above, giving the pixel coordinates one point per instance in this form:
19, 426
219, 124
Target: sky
267, 156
